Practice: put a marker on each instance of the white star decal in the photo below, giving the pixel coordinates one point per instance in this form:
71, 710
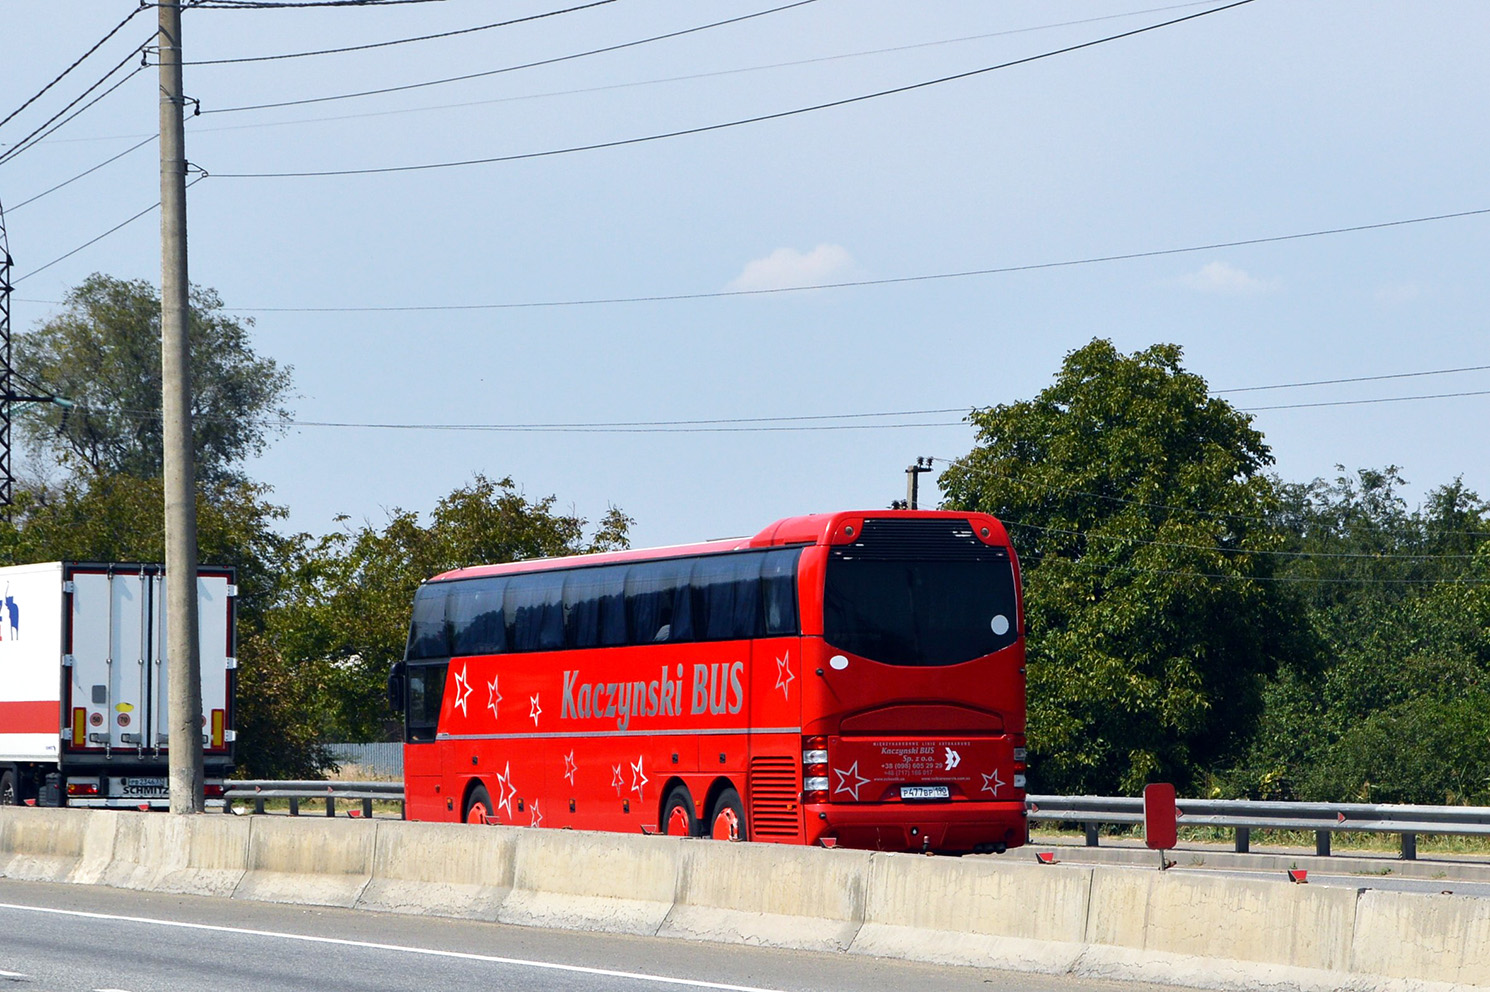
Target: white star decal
534, 709
784, 674
638, 778
537, 820
570, 767
998, 783
462, 690
506, 791
616, 779
493, 697
850, 781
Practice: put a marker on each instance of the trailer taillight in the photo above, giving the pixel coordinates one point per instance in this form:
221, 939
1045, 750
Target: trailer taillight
212, 791
82, 788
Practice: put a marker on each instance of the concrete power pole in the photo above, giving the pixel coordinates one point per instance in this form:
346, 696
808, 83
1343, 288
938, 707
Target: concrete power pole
184, 663
913, 482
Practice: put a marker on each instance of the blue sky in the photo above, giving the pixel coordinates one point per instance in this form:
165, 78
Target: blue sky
1270, 119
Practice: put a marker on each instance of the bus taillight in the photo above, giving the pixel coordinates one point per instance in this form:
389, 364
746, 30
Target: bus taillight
1021, 761
815, 770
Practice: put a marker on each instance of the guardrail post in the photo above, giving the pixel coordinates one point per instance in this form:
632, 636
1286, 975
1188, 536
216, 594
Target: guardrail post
259, 806
1243, 840
367, 808
1322, 843
330, 806
294, 805
1409, 847
1091, 835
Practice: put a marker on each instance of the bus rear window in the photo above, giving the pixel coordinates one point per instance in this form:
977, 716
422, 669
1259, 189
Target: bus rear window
907, 612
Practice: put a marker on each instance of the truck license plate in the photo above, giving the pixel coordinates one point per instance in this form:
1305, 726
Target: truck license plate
146, 788
925, 792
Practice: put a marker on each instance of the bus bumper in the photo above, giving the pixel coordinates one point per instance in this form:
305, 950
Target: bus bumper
943, 827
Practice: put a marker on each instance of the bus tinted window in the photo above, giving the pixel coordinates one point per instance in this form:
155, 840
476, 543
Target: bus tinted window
726, 597
475, 616
534, 607
595, 607
428, 635
658, 607
425, 692
904, 612
779, 591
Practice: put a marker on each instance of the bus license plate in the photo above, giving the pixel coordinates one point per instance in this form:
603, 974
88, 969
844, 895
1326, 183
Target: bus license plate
925, 792
145, 788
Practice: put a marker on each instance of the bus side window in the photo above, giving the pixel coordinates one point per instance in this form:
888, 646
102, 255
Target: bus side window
657, 602
534, 610
475, 614
594, 607
779, 591
726, 596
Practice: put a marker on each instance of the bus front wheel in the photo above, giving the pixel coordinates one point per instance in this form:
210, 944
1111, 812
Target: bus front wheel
479, 807
727, 819
677, 814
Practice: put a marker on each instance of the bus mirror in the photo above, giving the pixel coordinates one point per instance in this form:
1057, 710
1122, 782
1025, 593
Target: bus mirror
396, 687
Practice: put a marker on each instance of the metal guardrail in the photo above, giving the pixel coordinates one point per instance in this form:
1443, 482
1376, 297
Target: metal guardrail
296, 792
1244, 816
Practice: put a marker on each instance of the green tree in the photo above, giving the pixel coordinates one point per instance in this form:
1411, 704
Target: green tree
103, 354
353, 590
1136, 503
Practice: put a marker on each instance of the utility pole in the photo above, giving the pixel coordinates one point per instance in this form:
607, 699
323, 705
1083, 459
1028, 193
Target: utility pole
184, 663
913, 481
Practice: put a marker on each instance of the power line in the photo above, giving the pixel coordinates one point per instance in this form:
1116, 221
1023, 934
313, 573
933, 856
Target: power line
79, 61
888, 281
1359, 378
693, 75
278, 4
80, 175
1379, 399
27, 142
759, 118
510, 68
93, 241
402, 41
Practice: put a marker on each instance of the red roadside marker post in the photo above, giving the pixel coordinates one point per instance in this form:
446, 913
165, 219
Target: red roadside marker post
1160, 827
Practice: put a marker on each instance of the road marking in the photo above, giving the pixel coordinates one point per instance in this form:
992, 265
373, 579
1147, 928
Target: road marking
12, 974
398, 948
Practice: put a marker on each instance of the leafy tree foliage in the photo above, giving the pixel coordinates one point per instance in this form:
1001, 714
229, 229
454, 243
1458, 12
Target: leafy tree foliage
102, 353
353, 590
1136, 502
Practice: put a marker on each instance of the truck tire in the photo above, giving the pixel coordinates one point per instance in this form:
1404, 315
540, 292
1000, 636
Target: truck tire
10, 789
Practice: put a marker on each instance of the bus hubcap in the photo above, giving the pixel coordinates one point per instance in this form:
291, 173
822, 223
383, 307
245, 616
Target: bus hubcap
479, 814
726, 825
677, 822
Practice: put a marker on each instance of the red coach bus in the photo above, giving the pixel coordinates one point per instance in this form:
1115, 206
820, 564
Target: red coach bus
851, 679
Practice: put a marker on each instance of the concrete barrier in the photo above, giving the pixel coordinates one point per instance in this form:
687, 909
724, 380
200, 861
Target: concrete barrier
577, 880
769, 894
440, 869
992, 914
1175, 927
312, 861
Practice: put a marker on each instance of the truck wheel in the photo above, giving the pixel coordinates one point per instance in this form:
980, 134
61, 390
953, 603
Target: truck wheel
9, 790
727, 821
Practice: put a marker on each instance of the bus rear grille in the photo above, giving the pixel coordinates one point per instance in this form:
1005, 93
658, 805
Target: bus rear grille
775, 810
919, 540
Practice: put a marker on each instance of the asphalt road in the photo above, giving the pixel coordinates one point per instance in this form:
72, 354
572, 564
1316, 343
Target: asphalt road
64, 938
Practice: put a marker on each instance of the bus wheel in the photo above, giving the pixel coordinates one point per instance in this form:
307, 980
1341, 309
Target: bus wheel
727, 821
479, 807
9, 794
677, 814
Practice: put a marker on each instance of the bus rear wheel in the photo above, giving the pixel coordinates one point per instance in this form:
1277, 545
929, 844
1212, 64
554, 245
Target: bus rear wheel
478, 807
677, 814
727, 818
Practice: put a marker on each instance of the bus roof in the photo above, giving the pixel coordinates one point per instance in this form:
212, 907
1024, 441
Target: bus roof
815, 528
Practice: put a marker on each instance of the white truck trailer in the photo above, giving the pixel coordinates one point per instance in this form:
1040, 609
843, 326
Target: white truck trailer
83, 683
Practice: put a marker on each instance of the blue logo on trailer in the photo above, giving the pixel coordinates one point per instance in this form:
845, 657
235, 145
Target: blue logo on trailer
12, 614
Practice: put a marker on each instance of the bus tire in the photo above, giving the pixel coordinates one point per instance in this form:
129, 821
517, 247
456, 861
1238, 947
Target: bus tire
727, 818
478, 807
10, 789
677, 814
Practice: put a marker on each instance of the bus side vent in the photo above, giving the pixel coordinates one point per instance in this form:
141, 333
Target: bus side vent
774, 791
919, 540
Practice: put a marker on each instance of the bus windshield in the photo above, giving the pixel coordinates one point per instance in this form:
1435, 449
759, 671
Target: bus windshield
902, 612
